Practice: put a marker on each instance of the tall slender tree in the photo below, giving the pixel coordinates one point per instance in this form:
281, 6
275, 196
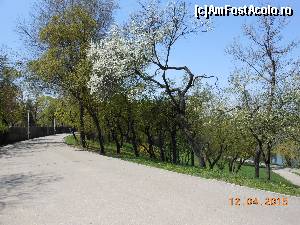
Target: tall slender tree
262, 86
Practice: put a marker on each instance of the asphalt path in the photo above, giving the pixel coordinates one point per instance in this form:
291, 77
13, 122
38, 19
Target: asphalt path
45, 182
289, 174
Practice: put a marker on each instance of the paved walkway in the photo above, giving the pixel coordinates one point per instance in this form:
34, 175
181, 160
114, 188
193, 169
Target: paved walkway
288, 174
45, 182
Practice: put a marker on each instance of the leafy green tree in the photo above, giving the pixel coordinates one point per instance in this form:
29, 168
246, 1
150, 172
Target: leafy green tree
10, 95
115, 117
290, 151
64, 62
47, 107
262, 86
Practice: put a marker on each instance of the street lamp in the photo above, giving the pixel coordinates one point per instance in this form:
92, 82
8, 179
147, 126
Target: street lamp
54, 124
28, 124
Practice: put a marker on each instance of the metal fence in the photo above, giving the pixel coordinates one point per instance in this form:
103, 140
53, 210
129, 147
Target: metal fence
15, 134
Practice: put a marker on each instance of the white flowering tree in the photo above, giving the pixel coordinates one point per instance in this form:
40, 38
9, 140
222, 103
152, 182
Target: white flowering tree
143, 48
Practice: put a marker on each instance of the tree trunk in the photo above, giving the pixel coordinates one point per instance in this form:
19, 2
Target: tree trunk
218, 157
268, 164
99, 132
161, 145
150, 142
210, 164
132, 132
121, 133
133, 138
288, 161
231, 163
100, 139
268, 168
241, 162
174, 144
202, 163
257, 160
230, 166
109, 138
82, 130
193, 139
134, 142
192, 158
127, 133
115, 138
73, 133
118, 145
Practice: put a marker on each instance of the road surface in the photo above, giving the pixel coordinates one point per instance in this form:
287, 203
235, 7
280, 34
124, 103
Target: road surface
288, 174
45, 182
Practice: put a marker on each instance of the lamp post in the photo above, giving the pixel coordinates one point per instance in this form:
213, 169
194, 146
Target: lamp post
54, 124
28, 124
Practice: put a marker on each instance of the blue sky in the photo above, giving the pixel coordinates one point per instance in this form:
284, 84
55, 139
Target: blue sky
203, 53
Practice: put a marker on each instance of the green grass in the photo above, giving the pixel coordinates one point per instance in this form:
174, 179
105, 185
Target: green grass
70, 140
245, 177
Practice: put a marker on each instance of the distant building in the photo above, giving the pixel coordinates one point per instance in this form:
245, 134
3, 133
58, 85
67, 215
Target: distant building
278, 160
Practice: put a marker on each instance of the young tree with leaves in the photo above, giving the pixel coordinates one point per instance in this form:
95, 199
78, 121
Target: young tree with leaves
63, 61
262, 86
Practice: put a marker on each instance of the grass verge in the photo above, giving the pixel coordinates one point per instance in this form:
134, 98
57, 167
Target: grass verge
245, 177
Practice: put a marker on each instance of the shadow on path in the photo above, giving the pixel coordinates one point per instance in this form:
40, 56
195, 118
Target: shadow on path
21, 149
17, 188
